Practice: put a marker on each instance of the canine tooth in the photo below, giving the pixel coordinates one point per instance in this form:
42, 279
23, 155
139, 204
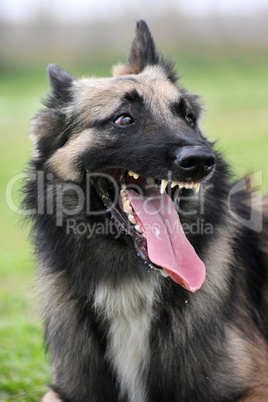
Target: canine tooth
173, 184
164, 184
132, 219
197, 187
127, 208
138, 228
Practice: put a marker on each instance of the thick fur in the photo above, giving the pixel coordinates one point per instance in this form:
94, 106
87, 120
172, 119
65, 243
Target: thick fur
116, 329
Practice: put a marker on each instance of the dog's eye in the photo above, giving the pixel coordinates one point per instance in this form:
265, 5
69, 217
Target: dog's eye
124, 120
190, 119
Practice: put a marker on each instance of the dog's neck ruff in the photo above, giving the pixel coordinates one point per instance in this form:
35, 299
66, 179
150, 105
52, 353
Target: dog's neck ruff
128, 310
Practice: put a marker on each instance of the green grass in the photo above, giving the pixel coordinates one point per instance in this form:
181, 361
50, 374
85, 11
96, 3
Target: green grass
235, 92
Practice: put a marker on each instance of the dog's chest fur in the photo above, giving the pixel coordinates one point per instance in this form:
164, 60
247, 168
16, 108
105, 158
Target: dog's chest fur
128, 310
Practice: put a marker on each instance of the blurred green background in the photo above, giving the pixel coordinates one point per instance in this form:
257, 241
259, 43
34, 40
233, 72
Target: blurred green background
218, 56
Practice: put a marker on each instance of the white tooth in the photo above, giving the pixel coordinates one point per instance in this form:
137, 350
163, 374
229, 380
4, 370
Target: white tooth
173, 184
132, 219
149, 180
124, 187
164, 184
190, 185
138, 228
197, 187
127, 208
123, 193
135, 175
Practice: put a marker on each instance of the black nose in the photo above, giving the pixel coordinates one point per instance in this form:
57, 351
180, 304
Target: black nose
195, 162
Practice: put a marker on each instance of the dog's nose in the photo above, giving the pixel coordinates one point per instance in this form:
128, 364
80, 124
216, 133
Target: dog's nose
195, 162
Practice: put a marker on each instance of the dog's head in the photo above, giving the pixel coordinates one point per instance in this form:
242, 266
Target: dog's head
137, 135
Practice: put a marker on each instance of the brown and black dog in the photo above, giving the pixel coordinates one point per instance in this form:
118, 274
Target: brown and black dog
152, 289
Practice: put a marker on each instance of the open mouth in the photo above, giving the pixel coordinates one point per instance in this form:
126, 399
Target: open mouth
141, 208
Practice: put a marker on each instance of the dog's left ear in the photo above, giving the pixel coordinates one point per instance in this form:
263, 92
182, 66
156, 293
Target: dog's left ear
142, 52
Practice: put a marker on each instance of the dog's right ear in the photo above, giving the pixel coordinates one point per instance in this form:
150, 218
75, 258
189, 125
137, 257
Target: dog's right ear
49, 128
142, 52
60, 82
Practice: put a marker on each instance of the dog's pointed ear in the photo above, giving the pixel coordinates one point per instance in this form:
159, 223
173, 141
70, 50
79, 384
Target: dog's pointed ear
60, 82
142, 52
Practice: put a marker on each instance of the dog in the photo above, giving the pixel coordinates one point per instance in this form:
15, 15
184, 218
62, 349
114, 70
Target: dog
152, 289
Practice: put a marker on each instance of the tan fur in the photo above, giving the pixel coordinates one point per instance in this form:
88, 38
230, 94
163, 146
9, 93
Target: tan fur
120, 69
52, 287
249, 358
58, 308
51, 396
258, 395
63, 161
45, 124
264, 242
95, 99
220, 253
216, 285
251, 363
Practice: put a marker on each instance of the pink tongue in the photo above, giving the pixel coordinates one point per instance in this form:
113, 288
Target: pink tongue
167, 244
